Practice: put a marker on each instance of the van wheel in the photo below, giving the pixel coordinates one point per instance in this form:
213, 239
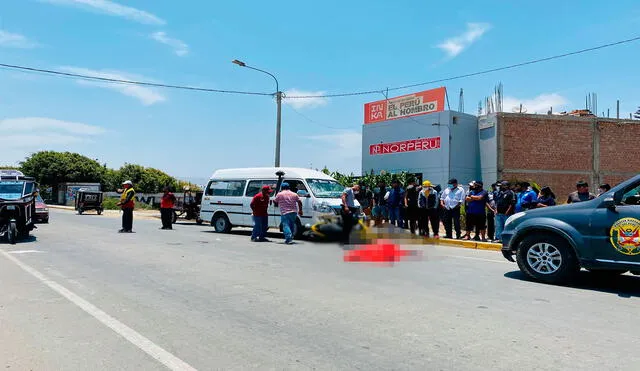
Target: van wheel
221, 224
547, 258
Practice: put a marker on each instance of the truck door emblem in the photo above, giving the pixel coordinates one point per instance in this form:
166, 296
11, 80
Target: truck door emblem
625, 236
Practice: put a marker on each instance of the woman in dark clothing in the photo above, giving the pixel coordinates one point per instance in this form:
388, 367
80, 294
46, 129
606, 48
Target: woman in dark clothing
546, 198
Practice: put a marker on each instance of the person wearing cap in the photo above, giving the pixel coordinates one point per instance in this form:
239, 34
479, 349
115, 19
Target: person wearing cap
505, 201
451, 201
259, 205
167, 204
290, 205
428, 210
581, 194
127, 204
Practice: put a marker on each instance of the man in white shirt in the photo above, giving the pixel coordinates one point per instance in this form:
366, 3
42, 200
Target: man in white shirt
451, 201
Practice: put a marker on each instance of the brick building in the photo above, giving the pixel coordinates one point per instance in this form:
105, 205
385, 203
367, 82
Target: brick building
557, 150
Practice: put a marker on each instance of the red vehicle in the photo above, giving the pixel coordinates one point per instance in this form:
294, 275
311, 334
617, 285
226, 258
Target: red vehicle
42, 211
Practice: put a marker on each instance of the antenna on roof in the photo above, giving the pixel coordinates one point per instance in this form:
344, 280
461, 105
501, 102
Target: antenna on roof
461, 101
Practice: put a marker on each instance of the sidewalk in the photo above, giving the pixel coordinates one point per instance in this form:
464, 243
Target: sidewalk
388, 231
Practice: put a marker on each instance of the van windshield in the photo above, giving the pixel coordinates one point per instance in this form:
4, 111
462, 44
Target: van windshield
322, 188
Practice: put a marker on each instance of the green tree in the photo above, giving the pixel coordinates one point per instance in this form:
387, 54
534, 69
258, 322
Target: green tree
145, 180
52, 168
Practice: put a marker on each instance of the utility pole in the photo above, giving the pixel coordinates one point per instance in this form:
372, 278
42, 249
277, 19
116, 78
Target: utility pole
278, 126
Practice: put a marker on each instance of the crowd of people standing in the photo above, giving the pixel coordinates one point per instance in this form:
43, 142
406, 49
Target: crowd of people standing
420, 208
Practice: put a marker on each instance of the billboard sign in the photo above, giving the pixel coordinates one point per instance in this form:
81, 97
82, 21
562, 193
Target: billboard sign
421, 103
412, 145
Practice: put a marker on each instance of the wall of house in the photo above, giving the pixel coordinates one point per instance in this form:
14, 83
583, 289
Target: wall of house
560, 150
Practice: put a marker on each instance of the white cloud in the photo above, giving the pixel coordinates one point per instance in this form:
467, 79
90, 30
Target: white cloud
147, 96
114, 9
14, 40
179, 47
458, 44
43, 132
299, 103
540, 104
43, 123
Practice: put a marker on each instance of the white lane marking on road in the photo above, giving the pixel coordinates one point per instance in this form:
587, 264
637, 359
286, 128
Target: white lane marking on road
481, 259
169, 360
24, 251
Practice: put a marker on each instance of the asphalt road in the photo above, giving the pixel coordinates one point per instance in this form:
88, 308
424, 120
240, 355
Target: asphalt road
80, 296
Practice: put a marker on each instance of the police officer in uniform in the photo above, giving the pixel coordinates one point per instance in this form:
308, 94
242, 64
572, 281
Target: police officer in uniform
127, 204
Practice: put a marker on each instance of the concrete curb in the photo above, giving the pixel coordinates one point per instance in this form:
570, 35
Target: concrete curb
489, 246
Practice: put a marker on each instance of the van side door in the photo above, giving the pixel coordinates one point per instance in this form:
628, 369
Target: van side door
253, 188
226, 195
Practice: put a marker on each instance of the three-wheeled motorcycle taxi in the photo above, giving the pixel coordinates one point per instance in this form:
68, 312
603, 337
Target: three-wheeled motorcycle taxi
17, 205
89, 200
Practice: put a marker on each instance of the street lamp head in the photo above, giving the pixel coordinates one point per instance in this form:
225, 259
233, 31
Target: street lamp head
239, 63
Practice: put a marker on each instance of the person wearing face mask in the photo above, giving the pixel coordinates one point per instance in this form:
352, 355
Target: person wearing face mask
451, 201
349, 211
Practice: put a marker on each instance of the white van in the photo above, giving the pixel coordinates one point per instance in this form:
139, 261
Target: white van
227, 197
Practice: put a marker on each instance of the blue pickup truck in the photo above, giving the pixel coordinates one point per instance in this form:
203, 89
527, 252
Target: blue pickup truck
552, 244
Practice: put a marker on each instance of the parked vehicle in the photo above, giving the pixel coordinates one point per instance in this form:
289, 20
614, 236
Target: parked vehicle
189, 207
17, 205
227, 197
551, 244
42, 211
89, 200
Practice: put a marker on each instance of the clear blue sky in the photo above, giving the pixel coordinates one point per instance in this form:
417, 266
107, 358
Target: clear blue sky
331, 46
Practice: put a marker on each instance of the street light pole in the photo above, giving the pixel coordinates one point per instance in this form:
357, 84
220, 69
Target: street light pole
278, 95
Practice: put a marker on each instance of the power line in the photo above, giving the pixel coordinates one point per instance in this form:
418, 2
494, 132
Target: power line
128, 82
369, 92
558, 56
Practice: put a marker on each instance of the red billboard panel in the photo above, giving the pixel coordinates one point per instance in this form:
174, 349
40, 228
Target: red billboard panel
423, 144
421, 103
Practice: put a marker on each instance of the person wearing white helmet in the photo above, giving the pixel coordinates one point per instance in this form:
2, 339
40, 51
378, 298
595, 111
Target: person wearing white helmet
127, 204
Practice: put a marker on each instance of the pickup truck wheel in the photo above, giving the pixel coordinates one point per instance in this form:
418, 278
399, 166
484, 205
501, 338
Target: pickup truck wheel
547, 258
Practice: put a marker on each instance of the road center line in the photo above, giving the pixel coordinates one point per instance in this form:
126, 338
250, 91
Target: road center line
167, 359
